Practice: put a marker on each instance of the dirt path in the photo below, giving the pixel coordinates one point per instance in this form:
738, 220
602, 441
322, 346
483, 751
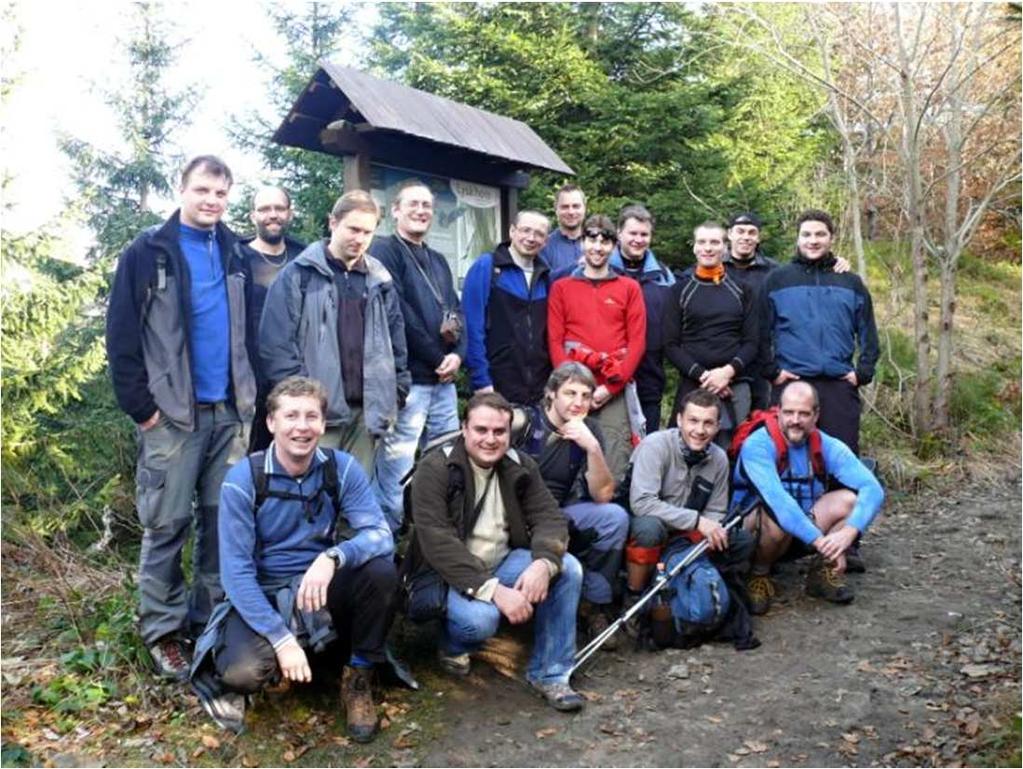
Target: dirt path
920, 670
907, 674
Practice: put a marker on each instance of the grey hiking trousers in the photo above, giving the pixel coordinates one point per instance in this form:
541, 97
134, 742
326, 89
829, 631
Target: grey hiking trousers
178, 479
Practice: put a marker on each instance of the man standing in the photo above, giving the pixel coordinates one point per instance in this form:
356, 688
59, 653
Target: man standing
180, 368
333, 315
265, 254
564, 247
305, 557
710, 331
597, 317
568, 447
633, 258
489, 527
505, 304
787, 465
814, 319
434, 339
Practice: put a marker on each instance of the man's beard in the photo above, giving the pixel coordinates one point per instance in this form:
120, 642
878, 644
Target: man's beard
269, 237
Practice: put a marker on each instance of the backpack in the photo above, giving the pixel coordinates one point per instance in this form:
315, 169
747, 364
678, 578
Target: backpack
700, 600
330, 484
768, 419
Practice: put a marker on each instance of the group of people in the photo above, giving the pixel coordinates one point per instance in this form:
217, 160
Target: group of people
284, 392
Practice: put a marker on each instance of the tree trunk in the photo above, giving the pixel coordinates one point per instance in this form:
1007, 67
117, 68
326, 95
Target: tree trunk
909, 151
946, 348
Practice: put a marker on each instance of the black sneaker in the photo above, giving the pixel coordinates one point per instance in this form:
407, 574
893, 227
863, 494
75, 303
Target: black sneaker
172, 658
227, 709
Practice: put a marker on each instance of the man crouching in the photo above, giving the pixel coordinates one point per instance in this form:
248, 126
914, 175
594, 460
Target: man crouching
305, 563
486, 523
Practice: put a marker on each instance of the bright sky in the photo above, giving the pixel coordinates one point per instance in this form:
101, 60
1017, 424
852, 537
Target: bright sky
69, 55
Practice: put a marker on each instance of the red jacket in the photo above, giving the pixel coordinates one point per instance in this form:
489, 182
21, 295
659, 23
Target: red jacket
606, 316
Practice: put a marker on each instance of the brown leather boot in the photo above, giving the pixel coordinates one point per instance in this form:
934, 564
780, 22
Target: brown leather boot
357, 696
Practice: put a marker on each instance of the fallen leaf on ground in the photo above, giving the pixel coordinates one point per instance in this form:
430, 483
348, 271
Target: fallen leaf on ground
755, 746
541, 733
852, 737
210, 741
289, 756
714, 719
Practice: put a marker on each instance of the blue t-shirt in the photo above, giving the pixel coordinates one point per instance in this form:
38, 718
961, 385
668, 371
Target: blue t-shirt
562, 253
209, 333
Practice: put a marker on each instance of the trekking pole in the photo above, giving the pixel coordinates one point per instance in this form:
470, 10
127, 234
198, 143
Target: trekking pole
663, 578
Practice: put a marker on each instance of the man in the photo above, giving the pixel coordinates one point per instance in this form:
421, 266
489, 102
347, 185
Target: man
505, 304
434, 339
180, 368
333, 314
787, 465
564, 247
567, 445
597, 317
633, 258
747, 264
265, 254
489, 527
814, 319
667, 466
710, 331
305, 558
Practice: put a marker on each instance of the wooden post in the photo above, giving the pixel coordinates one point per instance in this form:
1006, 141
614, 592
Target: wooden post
356, 172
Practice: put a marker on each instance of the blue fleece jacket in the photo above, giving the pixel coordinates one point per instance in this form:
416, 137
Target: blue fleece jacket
792, 495
209, 328
261, 552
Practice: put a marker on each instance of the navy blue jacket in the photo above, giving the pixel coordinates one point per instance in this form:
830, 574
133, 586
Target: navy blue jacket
815, 320
506, 325
422, 314
657, 281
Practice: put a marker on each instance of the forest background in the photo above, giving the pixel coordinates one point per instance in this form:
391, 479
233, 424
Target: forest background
902, 119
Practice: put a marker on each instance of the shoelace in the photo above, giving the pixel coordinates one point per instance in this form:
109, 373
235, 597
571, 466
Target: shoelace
172, 651
761, 587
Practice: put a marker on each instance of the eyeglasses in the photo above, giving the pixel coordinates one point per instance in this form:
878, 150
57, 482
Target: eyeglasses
602, 235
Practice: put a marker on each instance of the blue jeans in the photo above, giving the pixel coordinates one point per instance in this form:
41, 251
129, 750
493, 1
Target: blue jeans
433, 408
470, 622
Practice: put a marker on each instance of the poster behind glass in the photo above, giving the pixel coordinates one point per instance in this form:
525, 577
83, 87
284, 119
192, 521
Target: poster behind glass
465, 214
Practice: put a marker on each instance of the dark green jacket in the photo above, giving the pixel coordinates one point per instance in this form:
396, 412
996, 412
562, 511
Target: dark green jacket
443, 500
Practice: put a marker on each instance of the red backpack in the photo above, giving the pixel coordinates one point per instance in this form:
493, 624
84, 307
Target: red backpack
768, 418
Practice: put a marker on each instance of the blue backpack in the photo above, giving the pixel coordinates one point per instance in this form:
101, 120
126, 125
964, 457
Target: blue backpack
700, 600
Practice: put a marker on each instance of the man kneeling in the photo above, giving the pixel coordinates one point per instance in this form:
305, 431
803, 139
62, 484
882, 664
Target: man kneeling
788, 465
679, 496
305, 563
485, 522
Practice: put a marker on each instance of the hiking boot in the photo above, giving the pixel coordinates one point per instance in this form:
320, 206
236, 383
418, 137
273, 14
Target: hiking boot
226, 709
559, 696
823, 581
634, 625
760, 588
597, 623
171, 658
357, 697
455, 664
854, 560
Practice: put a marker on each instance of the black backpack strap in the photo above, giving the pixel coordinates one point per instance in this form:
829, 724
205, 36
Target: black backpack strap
330, 482
259, 484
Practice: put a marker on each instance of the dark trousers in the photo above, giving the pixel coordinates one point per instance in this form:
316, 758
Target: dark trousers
360, 604
840, 409
652, 414
259, 438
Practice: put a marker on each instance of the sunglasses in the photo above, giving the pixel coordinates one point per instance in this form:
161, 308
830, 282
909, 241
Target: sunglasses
604, 235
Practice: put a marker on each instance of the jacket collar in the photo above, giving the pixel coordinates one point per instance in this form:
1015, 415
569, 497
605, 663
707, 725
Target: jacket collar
503, 259
652, 270
315, 256
825, 264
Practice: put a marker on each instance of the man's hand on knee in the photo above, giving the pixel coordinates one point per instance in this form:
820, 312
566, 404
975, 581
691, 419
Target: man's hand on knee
512, 604
293, 663
312, 593
534, 581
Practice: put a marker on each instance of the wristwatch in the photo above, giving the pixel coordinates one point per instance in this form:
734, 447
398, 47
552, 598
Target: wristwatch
336, 556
